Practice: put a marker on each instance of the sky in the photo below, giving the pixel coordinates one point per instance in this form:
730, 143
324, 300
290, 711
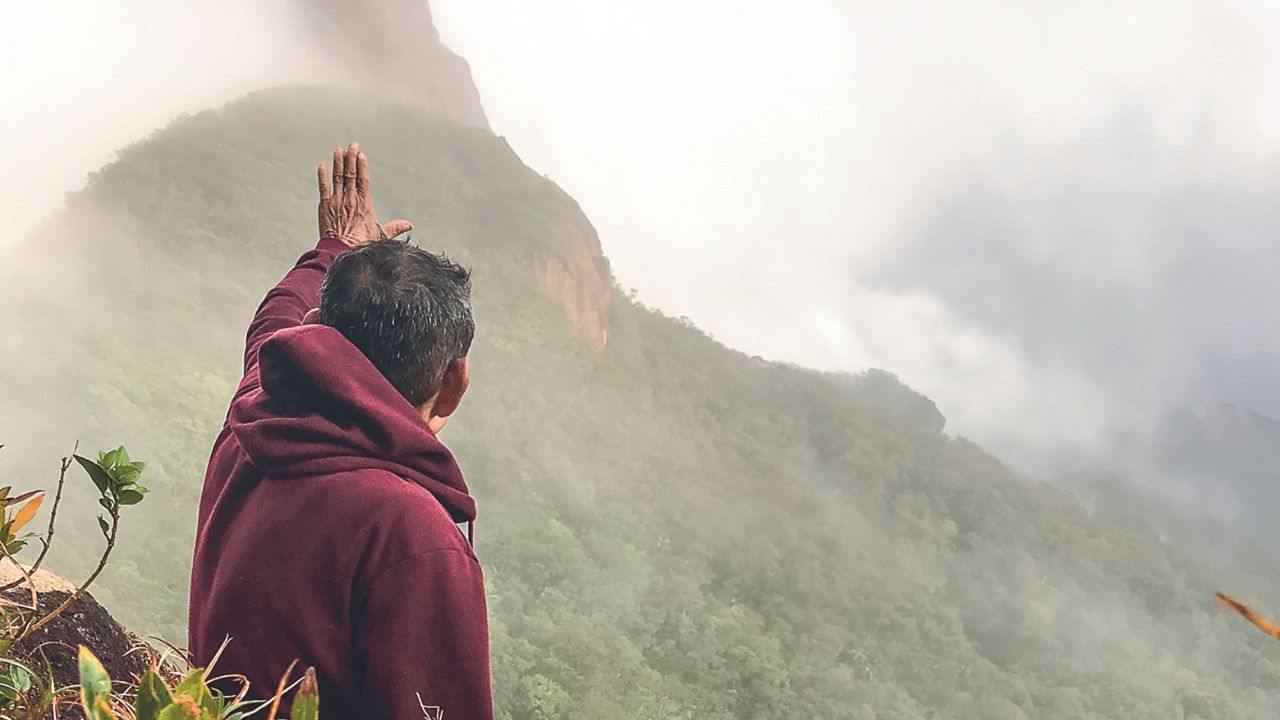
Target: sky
1052, 218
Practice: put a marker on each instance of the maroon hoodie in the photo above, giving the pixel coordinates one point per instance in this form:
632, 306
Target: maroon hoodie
328, 532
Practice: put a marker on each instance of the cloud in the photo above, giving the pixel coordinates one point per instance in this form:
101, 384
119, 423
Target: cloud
1049, 217
1046, 216
85, 78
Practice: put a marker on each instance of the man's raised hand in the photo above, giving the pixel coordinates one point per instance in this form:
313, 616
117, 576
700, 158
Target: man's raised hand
346, 204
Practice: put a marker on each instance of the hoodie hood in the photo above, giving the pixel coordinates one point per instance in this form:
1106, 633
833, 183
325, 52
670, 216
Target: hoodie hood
323, 408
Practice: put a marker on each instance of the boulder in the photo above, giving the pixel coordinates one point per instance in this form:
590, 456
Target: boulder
85, 622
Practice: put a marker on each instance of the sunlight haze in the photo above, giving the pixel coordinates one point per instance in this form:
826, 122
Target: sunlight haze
778, 171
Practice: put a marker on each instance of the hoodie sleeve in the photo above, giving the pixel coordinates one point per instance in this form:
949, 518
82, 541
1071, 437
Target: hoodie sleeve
291, 298
422, 641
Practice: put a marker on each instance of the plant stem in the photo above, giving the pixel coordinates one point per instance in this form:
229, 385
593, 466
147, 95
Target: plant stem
102, 563
47, 540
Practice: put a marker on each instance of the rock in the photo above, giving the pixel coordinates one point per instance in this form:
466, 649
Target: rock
85, 622
579, 281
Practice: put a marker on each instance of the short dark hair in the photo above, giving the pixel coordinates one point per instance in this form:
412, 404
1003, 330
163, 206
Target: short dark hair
407, 310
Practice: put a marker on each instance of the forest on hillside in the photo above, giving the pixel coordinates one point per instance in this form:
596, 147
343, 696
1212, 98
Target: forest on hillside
669, 528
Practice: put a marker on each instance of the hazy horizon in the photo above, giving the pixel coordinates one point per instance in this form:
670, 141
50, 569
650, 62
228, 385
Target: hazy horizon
1053, 221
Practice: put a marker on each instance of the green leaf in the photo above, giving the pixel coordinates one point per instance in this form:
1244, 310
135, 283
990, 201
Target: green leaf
194, 687
127, 475
95, 686
96, 473
153, 696
109, 459
122, 456
104, 526
11, 544
13, 683
105, 502
191, 683
306, 703
19, 678
102, 710
130, 497
183, 709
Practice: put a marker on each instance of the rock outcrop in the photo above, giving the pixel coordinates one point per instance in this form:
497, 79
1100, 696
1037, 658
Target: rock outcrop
85, 622
579, 279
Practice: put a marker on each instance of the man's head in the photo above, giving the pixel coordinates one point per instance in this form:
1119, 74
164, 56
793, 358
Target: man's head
409, 312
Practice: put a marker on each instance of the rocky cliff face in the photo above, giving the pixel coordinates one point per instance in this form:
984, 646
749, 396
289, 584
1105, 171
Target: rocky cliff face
85, 622
393, 46
579, 278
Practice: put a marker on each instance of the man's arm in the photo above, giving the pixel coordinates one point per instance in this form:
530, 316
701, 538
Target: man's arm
422, 641
347, 220
291, 298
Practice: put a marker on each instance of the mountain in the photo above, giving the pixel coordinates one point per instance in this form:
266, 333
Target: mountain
393, 46
669, 527
1203, 480
1224, 457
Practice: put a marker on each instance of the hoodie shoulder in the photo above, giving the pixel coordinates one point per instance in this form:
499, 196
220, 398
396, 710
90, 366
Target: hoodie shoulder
404, 518
322, 408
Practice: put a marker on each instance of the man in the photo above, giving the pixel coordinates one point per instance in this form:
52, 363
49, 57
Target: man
327, 529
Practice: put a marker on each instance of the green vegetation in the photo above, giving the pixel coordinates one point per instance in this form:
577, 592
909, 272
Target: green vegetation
190, 698
669, 528
27, 685
29, 688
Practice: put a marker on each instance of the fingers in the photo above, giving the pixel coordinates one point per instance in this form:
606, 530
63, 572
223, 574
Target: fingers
362, 178
350, 164
396, 227
339, 181
322, 175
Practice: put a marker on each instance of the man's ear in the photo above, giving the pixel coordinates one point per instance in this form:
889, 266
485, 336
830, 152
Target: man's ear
312, 317
454, 384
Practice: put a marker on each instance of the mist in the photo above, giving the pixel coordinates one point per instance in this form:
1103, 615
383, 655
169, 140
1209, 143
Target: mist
84, 79
1051, 220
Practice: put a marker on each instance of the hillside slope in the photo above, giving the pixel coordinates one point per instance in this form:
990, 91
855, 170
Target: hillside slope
670, 528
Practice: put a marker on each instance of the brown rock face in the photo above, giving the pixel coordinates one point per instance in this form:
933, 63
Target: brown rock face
579, 280
124, 654
393, 47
